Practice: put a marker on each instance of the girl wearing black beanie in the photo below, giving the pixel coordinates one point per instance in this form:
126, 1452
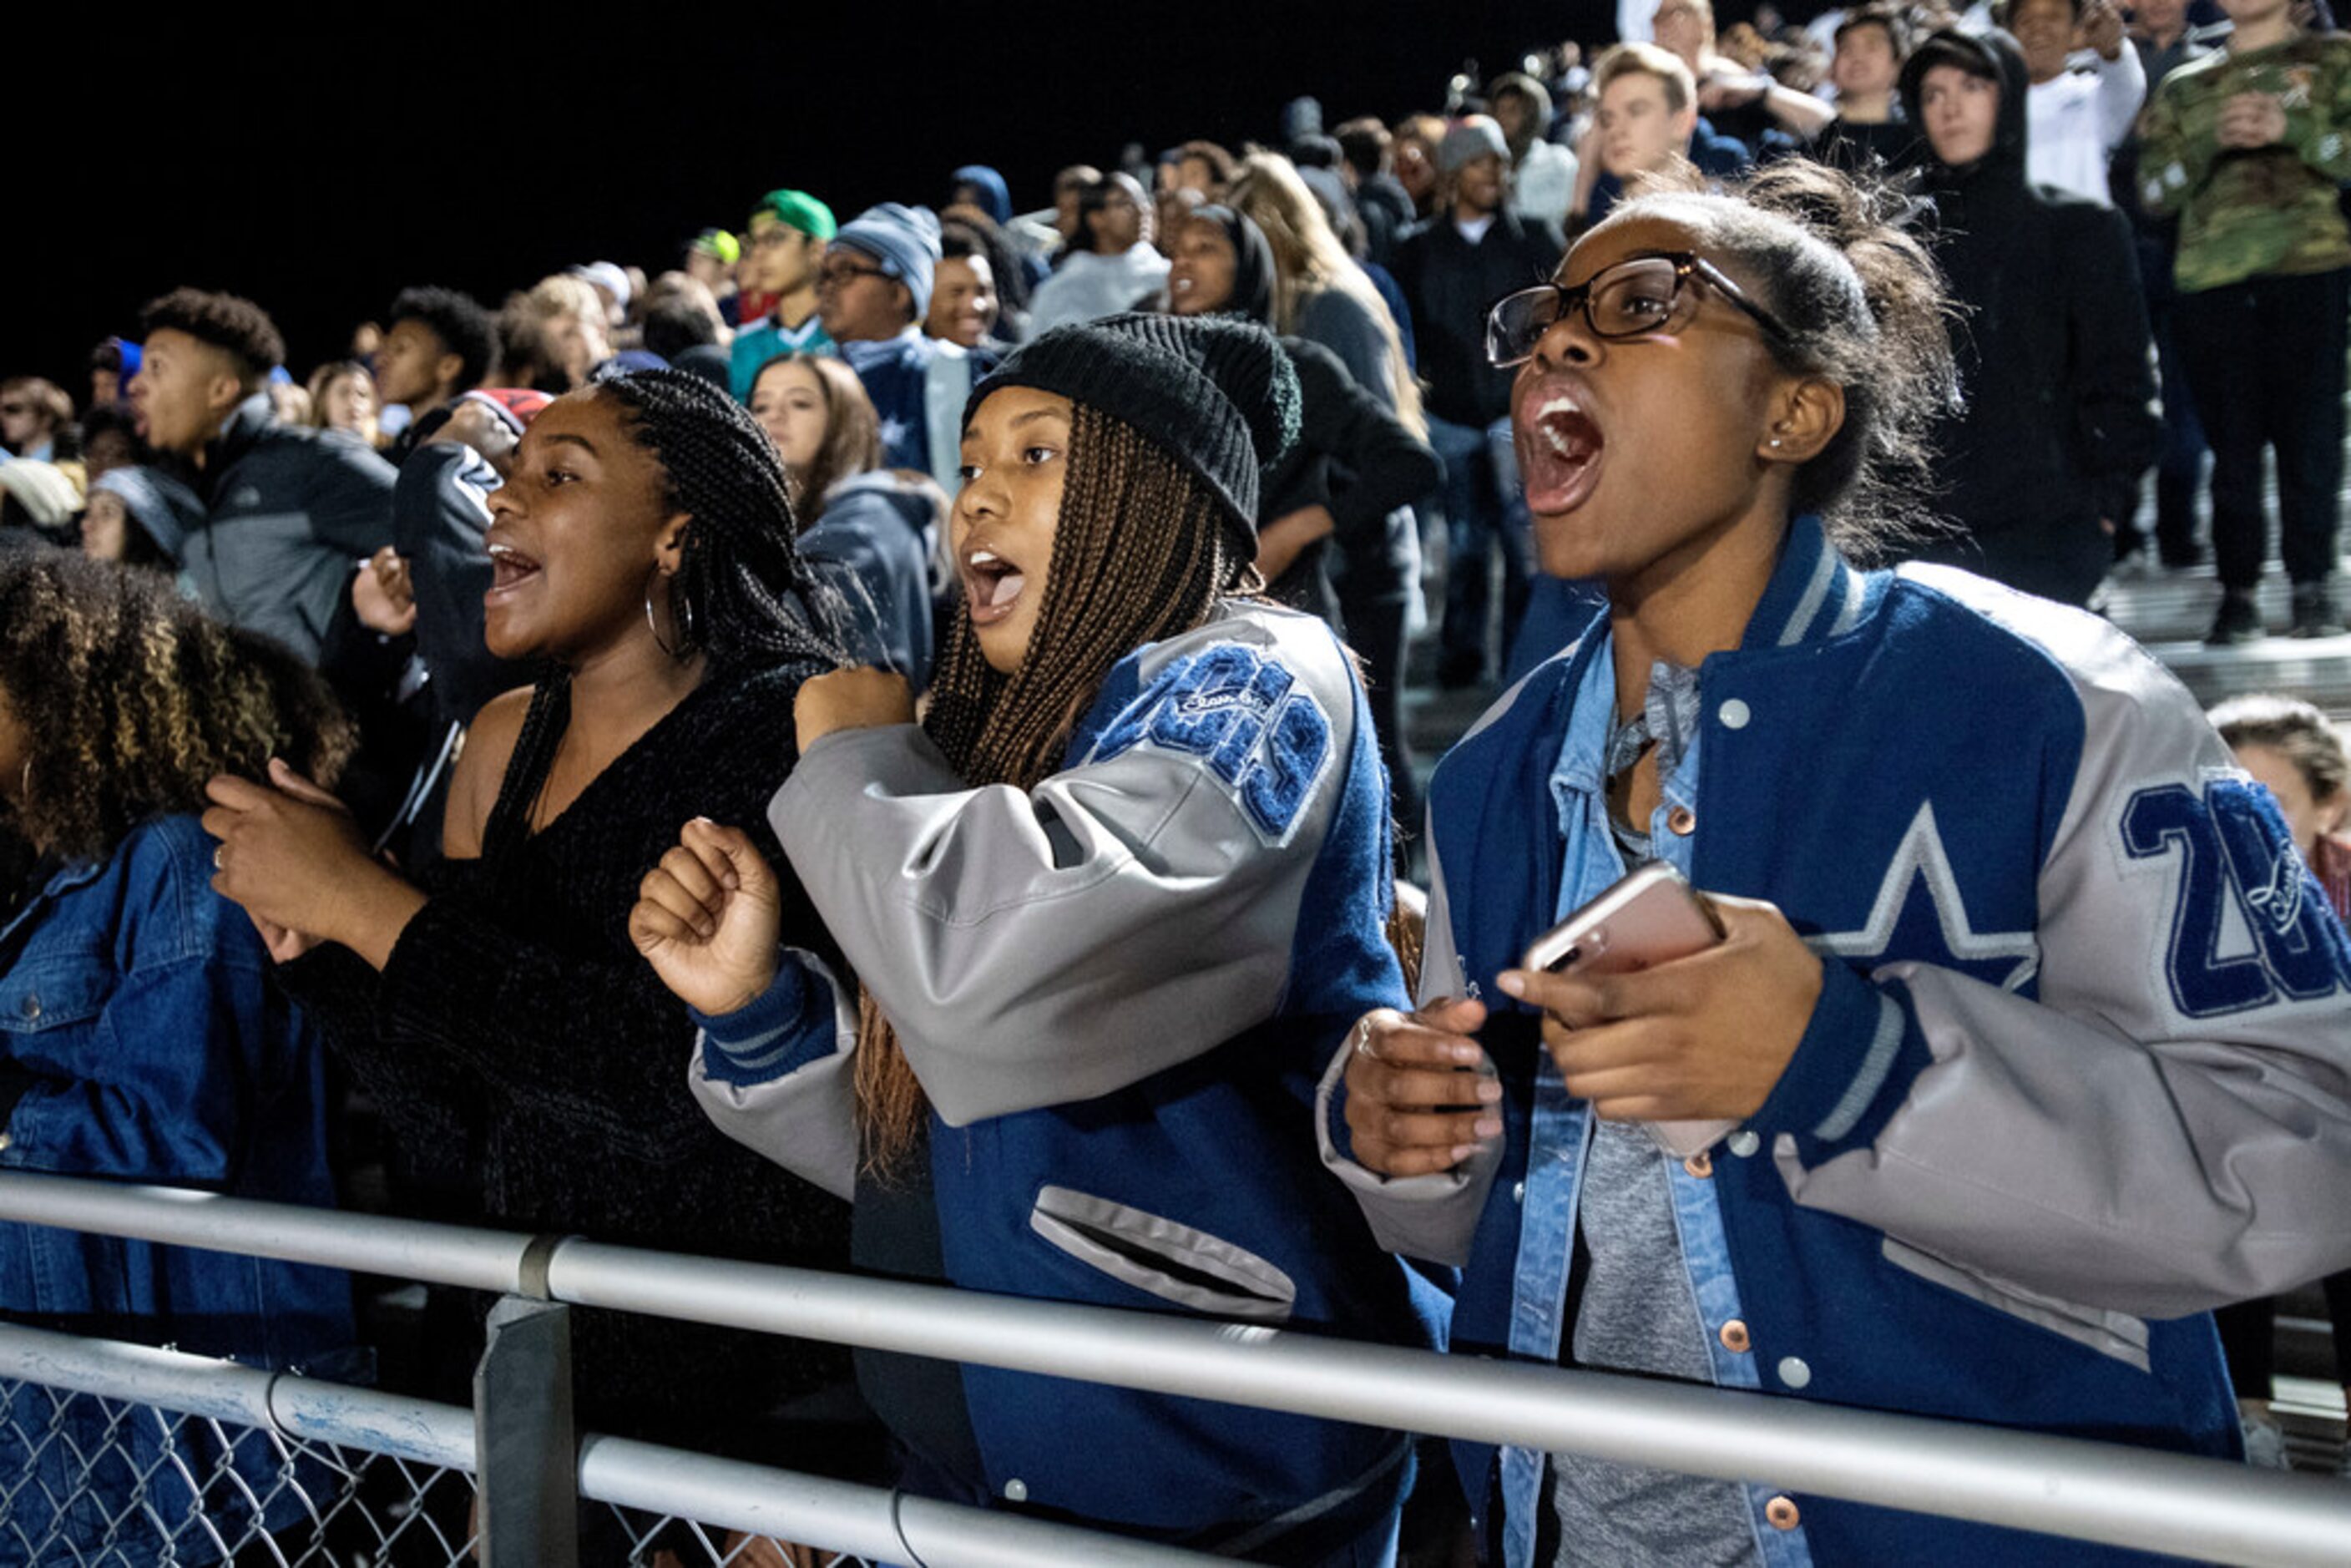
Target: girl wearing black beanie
1113, 902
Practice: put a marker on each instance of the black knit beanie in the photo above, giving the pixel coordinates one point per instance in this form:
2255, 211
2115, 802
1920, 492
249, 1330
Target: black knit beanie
1216, 393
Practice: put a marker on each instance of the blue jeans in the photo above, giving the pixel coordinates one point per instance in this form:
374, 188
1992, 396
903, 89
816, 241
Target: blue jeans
1484, 512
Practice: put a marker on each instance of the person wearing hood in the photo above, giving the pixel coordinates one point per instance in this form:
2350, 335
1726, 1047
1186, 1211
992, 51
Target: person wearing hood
1338, 505
1110, 265
286, 510
1542, 172
2249, 147
2057, 370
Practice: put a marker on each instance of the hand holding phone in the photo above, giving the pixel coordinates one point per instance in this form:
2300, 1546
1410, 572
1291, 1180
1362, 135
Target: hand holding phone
1703, 1038
1645, 918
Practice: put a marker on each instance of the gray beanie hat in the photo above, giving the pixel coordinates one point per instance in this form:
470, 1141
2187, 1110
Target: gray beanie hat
1468, 138
904, 240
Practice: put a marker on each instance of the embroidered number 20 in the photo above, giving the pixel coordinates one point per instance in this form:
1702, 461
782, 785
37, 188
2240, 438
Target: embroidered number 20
2234, 852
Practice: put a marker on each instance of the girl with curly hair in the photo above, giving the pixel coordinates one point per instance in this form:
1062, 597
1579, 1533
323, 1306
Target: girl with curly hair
140, 1040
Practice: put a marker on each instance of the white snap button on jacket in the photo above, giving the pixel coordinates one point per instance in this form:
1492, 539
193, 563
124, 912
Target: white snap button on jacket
1744, 1143
1793, 1372
1016, 1490
1733, 714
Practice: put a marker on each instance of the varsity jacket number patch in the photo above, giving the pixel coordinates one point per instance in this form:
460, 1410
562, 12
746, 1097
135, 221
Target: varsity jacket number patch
2249, 925
1259, 732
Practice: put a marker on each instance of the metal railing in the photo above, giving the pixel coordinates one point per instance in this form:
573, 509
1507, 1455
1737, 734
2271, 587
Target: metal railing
2123, 1495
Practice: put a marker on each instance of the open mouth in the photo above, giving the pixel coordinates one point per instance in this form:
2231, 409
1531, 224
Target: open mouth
1559, 445
991, 586
509, 570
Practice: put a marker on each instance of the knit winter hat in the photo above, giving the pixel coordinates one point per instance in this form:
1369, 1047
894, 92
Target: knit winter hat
904, 240
515, 406
1471, 138
798, 209
1217, 395
159, 503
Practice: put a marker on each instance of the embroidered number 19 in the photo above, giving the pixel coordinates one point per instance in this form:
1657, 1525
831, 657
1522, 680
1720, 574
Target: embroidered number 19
2234, 853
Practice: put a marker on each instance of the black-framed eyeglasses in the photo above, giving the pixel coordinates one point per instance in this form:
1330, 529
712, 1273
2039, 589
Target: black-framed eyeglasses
1646, 296
840, 275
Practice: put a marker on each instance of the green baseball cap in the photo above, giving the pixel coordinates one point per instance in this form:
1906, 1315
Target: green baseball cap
801, 210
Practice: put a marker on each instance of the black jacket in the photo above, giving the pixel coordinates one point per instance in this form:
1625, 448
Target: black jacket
1450, 285
2057, 366
1356, 458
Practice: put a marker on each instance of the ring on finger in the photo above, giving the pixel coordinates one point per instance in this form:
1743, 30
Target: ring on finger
1363, 1039
220, 857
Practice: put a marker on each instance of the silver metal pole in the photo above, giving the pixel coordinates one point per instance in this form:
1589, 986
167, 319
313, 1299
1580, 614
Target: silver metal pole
843, 1517
440, 1435
406, 1248
839, 1516
194, 1385
2127, 1496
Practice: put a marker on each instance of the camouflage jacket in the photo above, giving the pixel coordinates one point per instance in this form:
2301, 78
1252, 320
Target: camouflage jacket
2249, 211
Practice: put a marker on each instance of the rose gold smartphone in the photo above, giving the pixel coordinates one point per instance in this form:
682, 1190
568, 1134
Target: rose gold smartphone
1646, 918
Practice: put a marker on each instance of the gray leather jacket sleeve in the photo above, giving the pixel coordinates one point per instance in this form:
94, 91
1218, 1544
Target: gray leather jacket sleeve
1132, 912
1431, 1216
2133, 1138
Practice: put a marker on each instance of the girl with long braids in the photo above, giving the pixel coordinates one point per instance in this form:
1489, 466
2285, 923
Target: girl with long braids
1113, 903
642, 551
139, 1040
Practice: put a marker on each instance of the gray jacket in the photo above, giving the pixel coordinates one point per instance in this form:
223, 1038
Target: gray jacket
290, 512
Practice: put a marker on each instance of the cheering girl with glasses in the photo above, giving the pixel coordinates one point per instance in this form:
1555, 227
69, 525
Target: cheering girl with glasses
2005, 1113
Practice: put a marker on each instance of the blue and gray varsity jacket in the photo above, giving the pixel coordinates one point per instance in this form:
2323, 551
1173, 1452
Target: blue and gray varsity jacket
1119, 990
2080, 1069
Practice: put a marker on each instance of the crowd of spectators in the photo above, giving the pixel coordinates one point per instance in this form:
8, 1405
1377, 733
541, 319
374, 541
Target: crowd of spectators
482, 647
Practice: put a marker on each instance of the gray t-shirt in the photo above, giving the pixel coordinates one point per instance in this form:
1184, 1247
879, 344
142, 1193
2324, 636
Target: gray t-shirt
1637, 1315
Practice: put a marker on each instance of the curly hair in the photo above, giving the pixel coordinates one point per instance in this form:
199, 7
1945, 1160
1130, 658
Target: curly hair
237, 326
130, 697
1141, 553
459, 320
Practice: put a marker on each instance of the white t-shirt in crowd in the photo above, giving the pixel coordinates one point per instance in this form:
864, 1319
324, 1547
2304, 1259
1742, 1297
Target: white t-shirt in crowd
2074, 122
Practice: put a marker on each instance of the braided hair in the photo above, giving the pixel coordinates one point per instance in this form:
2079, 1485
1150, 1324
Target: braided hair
743, 596
1141, 553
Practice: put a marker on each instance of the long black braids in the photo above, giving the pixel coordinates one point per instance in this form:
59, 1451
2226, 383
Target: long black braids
743, 596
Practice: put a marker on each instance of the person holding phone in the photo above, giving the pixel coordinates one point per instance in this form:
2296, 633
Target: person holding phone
2011, 1112
2249, 146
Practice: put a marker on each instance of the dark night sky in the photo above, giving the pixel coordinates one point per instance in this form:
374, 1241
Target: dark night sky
319, 177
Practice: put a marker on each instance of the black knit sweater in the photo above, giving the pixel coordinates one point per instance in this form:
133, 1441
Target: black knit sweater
523, 1051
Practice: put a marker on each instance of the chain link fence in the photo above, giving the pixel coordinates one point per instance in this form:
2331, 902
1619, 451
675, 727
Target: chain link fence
94, 1482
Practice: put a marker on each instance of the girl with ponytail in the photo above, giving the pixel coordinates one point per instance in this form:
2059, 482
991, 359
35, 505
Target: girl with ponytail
1114, 901
528, 1063
1967, 1114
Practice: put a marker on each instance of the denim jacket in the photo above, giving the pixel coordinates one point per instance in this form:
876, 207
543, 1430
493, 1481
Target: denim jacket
140, 1040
